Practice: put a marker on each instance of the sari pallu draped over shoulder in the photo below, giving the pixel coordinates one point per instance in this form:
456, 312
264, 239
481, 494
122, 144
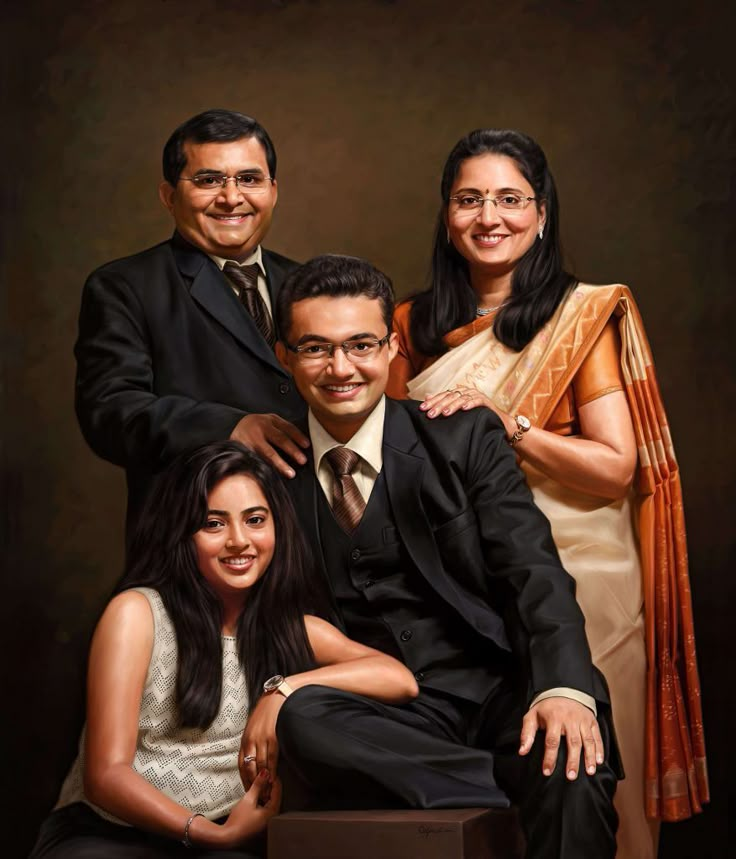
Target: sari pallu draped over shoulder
531, 383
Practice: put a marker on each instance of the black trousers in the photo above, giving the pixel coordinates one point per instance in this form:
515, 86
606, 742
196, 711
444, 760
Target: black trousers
345, 751
77, 832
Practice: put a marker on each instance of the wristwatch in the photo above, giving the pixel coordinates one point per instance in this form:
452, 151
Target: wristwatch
523, 424
277, 683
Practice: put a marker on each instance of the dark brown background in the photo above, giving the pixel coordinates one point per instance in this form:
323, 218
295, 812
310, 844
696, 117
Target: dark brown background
632, 103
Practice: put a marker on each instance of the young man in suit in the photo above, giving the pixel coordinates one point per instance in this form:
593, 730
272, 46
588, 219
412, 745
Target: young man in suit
434, 552
175, 343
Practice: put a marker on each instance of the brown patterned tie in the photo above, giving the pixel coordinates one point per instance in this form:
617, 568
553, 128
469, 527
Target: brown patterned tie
347, 502
245, 277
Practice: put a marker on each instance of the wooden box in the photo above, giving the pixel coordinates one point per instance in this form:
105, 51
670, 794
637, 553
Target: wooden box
463, 833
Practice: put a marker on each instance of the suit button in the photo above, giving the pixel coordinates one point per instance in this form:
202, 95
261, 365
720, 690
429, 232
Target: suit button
419, 676
369, 583
355, 554
284, 388
406, 635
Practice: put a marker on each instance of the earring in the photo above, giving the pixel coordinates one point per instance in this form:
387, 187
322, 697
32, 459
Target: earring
447, 230
541, 231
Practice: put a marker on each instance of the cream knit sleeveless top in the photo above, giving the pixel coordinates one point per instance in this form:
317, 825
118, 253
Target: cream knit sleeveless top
198, 769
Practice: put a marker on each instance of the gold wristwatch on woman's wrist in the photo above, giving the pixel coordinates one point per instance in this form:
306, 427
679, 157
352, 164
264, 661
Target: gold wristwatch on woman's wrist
277, 683
523, 424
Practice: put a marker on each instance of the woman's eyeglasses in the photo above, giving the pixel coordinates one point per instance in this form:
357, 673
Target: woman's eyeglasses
509, 203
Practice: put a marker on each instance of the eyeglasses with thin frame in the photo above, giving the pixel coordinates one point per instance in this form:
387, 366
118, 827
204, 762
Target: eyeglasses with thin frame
356, 351
507, 203
213, 183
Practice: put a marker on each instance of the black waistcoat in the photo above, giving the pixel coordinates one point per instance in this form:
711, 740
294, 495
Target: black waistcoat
386, 603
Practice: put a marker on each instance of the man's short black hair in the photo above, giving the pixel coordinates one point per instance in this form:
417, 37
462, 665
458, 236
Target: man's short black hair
214, 126
334, 276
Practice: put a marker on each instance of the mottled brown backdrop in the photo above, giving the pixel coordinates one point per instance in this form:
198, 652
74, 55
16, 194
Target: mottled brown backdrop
633, 103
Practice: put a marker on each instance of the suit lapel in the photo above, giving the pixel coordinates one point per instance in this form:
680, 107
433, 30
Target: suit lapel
275, 275
404, 462
211, 291
404, 466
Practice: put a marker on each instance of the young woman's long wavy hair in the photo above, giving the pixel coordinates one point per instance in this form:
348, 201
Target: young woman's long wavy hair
270, 631
538, 283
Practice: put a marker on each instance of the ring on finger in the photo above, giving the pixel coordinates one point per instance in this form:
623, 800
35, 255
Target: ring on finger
247, 759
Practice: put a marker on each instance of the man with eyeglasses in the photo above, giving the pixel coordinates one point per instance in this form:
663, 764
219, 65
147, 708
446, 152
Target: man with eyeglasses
428, 540
175, 343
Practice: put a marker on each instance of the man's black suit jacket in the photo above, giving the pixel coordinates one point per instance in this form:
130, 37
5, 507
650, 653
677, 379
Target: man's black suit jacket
168, 358
468, 520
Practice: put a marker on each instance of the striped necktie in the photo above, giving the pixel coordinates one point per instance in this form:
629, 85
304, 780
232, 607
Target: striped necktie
347, 502
245, 277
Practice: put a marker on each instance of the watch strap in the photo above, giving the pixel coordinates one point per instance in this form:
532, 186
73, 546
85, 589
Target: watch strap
284, 689
277, 683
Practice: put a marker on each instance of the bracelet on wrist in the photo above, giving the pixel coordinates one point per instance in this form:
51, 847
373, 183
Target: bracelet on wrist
186, 840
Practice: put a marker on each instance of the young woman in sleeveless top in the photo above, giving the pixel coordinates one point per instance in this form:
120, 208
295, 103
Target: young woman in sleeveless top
212, 608
567, 368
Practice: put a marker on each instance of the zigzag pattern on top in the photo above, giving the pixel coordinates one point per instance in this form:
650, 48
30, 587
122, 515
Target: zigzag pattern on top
198, 769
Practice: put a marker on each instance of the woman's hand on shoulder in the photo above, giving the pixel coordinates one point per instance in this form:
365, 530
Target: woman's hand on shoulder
463, 398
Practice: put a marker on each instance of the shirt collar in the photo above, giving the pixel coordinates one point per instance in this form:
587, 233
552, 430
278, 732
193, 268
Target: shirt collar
367, 442
255, 257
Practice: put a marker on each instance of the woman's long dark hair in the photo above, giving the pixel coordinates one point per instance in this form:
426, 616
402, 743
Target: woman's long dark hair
538, 283
270, 632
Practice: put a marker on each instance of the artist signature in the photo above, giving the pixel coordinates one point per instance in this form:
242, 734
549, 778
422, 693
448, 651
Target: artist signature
426, 831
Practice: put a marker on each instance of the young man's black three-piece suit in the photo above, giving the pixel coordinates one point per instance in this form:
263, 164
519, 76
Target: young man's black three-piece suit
452, 570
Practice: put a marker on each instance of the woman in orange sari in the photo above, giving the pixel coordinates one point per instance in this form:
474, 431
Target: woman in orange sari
567, 367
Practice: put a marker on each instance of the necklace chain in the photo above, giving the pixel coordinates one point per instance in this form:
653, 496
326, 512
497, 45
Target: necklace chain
484, 311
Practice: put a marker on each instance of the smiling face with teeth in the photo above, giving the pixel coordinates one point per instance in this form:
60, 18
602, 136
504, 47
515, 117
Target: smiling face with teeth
340, 394
236, 544
230, 223
492, 240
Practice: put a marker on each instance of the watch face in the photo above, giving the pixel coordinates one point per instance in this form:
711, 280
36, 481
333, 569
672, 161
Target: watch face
523, 422
273, 683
